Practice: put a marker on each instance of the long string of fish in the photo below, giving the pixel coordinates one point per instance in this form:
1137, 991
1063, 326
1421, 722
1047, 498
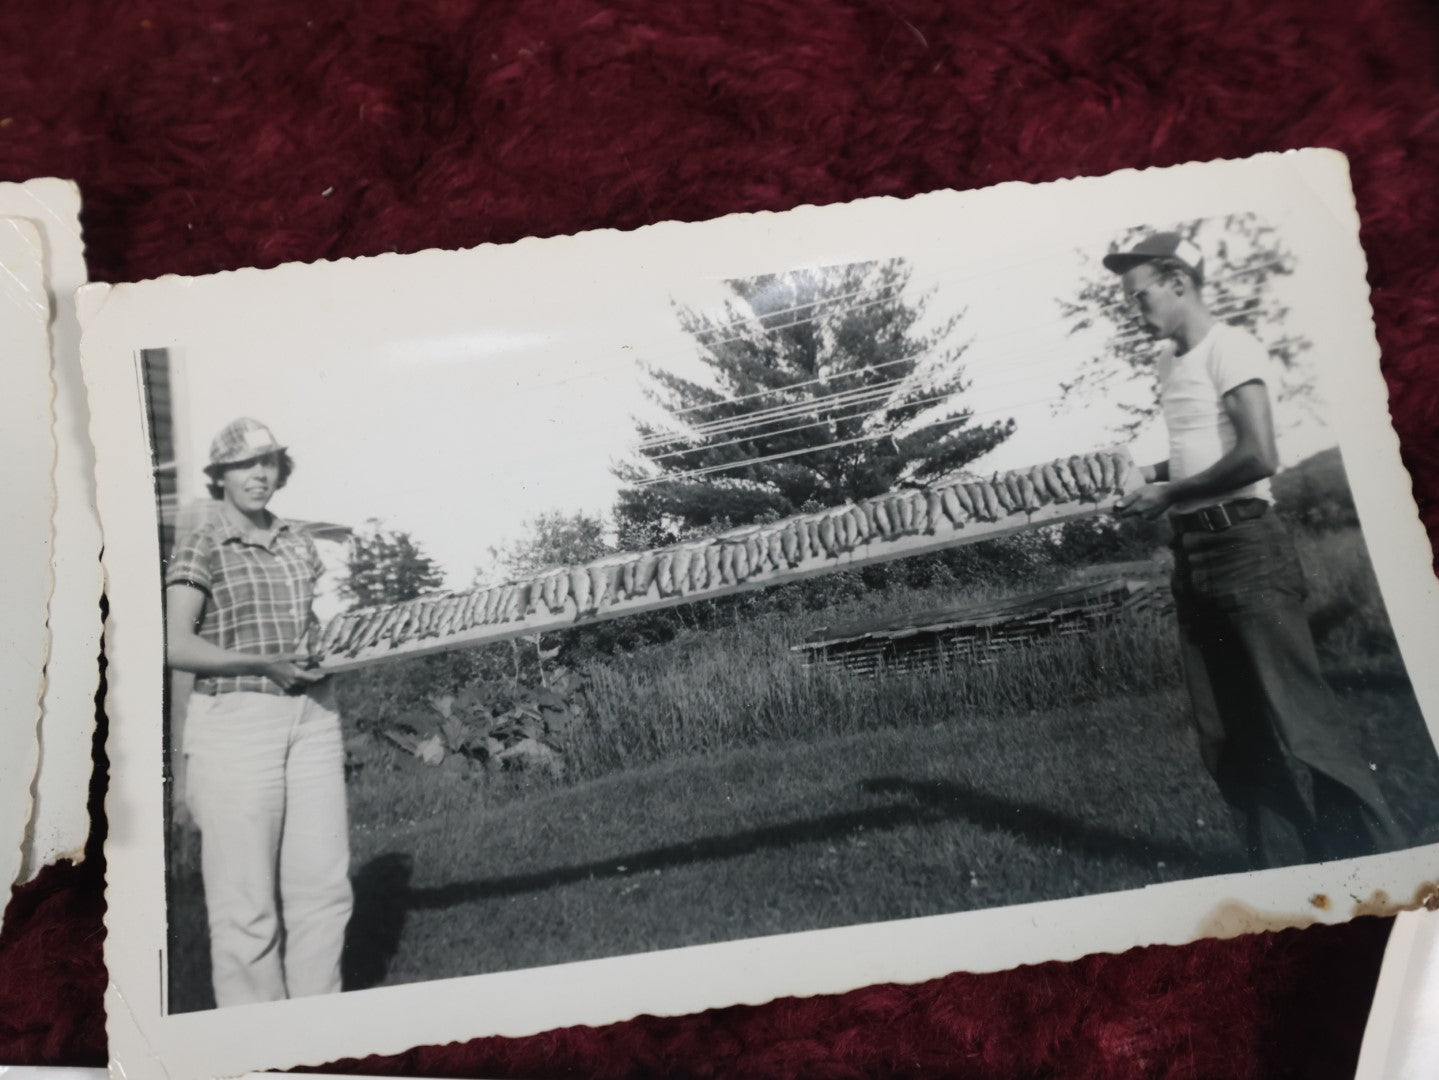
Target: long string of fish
732, 559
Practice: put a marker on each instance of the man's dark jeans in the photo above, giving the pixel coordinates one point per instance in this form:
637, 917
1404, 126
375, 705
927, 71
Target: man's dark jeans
1270, 731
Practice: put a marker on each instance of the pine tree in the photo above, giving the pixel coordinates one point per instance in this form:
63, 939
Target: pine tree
826, 387
1243, 256
387, 566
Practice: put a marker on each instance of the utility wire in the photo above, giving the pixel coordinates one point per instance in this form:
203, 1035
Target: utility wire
834, 445
789, 430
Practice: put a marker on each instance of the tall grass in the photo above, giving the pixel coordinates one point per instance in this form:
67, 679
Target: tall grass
742, 685
1346, 610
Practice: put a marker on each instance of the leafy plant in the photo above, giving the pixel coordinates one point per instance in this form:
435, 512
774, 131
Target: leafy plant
504, 723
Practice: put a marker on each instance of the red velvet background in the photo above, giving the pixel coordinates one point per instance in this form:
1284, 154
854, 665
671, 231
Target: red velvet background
212, 134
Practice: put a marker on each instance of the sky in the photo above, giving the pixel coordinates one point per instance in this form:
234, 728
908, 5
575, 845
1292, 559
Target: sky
459, 427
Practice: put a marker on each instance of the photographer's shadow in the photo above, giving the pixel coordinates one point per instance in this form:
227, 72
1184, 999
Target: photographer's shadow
382, 890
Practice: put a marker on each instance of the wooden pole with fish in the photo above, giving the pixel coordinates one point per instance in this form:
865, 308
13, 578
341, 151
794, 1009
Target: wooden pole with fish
912, 521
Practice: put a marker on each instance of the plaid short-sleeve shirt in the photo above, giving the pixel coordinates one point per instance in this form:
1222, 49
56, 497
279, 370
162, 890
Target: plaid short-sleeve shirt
258, 588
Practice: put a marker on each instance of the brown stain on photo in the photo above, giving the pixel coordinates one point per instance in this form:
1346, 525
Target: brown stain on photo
1233, 918
1380, 903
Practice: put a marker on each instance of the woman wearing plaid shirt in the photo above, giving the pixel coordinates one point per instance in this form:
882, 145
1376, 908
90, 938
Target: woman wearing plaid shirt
264, 760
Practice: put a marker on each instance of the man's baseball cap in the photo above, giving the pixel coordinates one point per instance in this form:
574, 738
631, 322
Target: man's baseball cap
1156, 246
241, 440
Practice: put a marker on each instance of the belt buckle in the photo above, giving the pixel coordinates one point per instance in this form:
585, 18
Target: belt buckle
1215, 518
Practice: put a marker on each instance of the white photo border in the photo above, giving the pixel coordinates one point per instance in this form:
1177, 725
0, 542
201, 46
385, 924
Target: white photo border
1307, 191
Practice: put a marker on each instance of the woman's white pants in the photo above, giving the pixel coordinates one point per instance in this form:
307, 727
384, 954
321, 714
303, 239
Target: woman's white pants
265, 782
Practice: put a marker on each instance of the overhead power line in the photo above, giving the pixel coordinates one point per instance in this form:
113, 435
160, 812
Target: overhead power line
710, 470
789, 430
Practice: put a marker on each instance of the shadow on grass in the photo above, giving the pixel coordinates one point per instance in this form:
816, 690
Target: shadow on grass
373, 936
384, 896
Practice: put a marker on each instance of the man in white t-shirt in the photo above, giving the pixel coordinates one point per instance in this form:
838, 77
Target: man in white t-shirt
1270, 731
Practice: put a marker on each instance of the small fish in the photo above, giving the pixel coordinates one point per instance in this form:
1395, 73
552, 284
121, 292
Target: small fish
1052, 486
419, 613
1036, 478
463, 603
357, 640
399, 627
646, 570
992, 508
1081, 476
680, 570
714, 555
758, 557
801, 540
409, 622
1102, 470
789, 544
920, 506
429, 613
741, 562
393, 614
506, 602
494, 600
562, 590
777, 557
444, 611
381, 630
665, 573
1122, 469
460, 613
811, 528
862, 530
1028, 494
599, 588
1066, 477
1016, 495
950, 504
354, 626
728, 573
332, 633
609, 583
905, 512
882, 521
827, 537
871, 516
580, 590
1001, 493
618, 590
350, 625
965, 500
934, 509
493, 597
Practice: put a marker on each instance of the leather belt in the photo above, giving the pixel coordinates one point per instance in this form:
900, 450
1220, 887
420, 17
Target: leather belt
1219, 517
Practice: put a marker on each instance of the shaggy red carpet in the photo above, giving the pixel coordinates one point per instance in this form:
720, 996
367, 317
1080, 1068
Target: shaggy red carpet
215, 134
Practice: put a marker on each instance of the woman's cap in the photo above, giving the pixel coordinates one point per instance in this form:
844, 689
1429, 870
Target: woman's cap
1158, 245
241, 440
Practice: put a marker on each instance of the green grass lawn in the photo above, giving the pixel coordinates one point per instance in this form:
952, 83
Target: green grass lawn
968, 813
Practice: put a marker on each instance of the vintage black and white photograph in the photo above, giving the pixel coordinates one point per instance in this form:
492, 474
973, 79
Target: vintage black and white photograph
530, 611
